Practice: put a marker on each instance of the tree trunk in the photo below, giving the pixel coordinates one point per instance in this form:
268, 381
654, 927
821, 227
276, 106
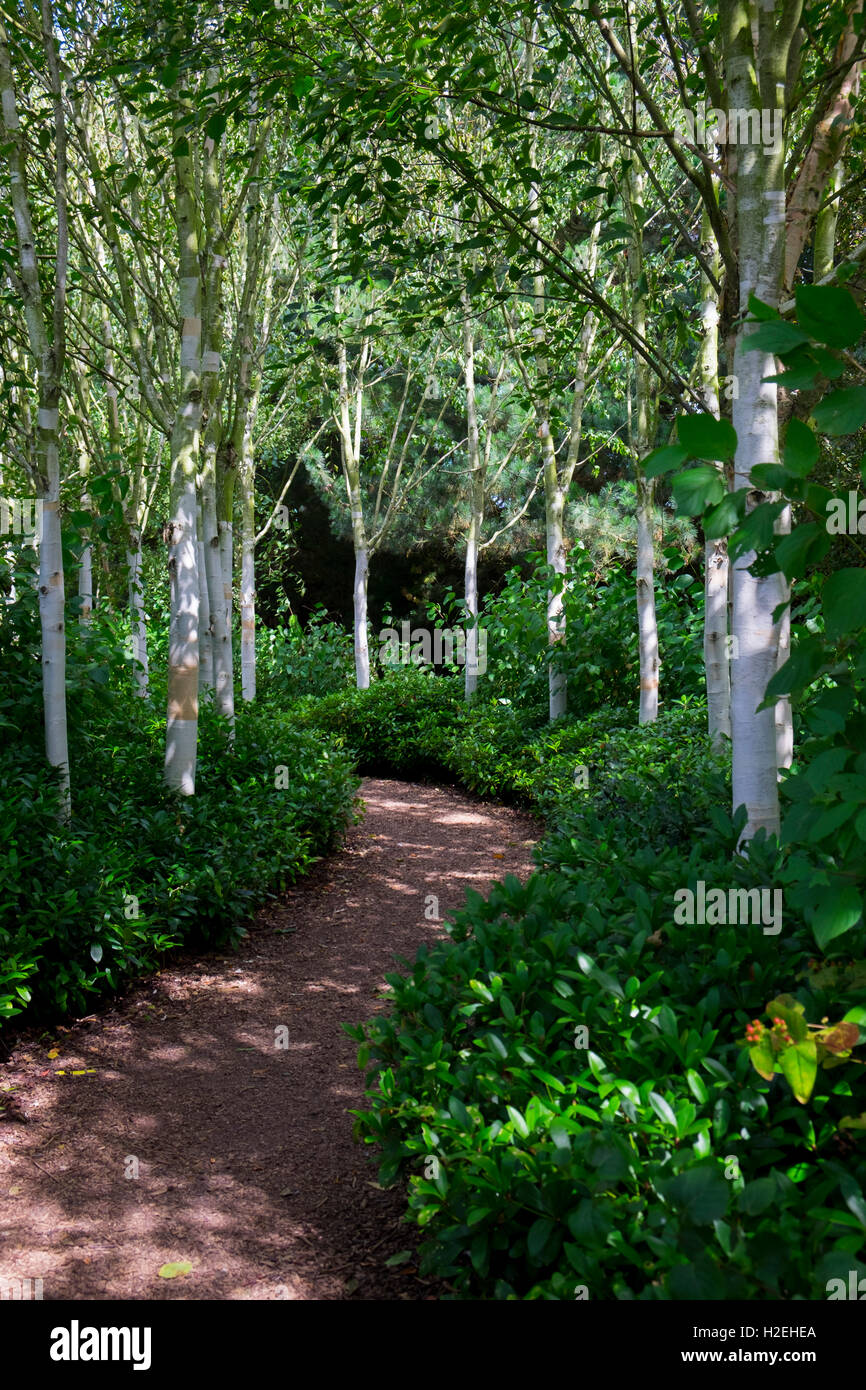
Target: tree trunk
476, 504
52, 602
211, 367
85, 566
138, 625
226, 474
350, 442
716, 655
181, 738
46, 332
824, 252
205, 632
359, 608
756, 81
248, 574
648, 639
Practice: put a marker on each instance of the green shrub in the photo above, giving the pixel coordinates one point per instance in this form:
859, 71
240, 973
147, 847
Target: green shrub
653, 783
138, 872
646, 1159
641, 1158
292, 661
599, 655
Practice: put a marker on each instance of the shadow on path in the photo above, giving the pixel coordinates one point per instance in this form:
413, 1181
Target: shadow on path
246, 1166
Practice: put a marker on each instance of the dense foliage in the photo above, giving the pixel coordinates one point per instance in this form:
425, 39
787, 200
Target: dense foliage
88, 904
567, 1082
321, 320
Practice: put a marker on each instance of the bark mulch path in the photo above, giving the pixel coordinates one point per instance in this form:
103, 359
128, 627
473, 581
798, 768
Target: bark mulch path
246, 1164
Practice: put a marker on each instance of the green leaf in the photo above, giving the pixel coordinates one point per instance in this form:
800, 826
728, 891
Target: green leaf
777, 337
765, 313
662, 1109
215, 125
839, 909
171, 1271
756, 1196
756, 532
842, 412
560, 1136
663, 460
803, 366
697, 488
721, 520
853, 1198
829, 314
96, 952
844, 602
700, 1193
806, 544
771, 477
763, 1058
801, 448
696, 1086
799, 671
705, 437
792, 1012
799, 1066
459, 1111
698, 1280
518, 1121
539, 1234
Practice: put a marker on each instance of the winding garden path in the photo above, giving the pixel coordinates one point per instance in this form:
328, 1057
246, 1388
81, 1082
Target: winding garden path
171, 1127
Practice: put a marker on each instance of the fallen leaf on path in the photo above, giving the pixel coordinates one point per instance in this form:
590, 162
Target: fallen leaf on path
171, 1271
399, 1259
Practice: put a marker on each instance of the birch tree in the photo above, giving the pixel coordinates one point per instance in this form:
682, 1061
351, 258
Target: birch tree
181, 741
716, 570
642, 433
45, 318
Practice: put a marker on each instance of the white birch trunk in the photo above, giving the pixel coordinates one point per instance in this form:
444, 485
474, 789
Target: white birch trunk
48, 349
138, 624
226, 549
648, 638
85, 567
52, 603
760, 208
717, 668
359, 608
248, 578
554, 501
212, 343
350, 444
181, 738
205, 632
476, 504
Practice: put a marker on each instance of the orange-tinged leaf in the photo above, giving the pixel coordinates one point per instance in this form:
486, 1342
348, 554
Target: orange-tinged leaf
841, 1038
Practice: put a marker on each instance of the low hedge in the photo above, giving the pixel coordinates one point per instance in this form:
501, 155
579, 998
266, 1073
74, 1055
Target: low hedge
565, 1083
139, 872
